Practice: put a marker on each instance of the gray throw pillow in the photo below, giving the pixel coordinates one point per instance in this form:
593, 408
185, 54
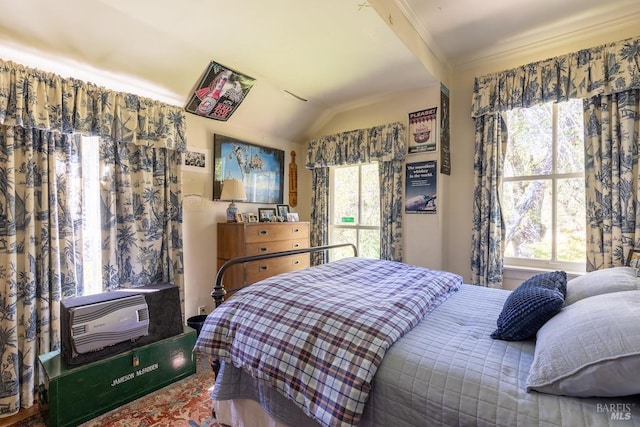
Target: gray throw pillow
615, 279
591, 348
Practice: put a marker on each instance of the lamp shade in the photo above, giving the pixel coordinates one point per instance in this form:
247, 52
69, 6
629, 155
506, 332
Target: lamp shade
232, 189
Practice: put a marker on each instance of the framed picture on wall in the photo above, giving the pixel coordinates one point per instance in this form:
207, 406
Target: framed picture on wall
420, 187
196, 160
423, 131
261, 169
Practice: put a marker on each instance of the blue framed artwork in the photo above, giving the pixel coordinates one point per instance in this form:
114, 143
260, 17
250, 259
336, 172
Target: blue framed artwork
421, 187
261, 169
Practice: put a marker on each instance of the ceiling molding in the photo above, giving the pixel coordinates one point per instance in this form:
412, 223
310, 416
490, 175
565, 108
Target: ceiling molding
622, 28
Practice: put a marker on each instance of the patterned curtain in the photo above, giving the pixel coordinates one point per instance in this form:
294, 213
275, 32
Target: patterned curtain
385, 144
40, 221
488, 223
612, 138
588, 73
40, 246
320, 214
140, 191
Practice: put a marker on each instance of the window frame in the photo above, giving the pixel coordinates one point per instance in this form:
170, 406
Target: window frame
554, 177
357, 224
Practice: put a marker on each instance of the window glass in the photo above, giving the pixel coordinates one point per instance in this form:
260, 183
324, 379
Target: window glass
542, 193
90, 196
355, 210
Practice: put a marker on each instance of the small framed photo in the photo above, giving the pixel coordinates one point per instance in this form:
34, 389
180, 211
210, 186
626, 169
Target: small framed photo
265, 214
283, 210
251, 217
292, 217
196, 160
633, 260
239, 217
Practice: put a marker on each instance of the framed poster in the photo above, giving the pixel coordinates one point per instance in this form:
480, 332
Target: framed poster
423, 130
261, 169
219, 92
421, 187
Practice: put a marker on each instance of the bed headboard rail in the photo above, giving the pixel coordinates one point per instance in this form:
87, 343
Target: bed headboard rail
219, 291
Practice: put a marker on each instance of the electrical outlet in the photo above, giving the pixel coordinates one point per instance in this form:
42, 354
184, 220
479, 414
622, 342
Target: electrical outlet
202, 310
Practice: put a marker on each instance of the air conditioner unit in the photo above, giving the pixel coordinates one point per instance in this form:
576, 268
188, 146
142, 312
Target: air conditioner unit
96, 326
103, 324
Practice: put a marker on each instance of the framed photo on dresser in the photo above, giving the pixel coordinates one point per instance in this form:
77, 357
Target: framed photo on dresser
265, 214
283, 210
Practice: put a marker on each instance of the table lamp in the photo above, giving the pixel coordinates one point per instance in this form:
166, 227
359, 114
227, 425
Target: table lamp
232, 189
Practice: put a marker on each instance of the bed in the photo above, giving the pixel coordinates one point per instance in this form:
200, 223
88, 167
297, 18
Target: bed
430, 360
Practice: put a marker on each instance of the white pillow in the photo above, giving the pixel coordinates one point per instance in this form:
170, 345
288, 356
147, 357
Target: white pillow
600, 282
590, 348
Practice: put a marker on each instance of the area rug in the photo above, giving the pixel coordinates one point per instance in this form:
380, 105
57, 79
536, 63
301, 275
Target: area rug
185, 403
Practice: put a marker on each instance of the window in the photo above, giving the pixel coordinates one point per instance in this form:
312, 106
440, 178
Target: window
543, 187
355, 210
90, 196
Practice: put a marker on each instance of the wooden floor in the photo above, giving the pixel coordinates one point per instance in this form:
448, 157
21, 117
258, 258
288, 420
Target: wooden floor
21, 415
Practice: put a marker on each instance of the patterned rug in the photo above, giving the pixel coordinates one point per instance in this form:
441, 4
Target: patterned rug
185, 403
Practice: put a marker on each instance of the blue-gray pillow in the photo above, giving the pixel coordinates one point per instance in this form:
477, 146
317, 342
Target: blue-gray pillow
590, 348
608, 280
529, 307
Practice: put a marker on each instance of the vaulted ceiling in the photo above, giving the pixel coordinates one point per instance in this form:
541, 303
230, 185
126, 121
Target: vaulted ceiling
335, 54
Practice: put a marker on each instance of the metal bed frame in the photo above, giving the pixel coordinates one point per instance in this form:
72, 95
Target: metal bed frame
219, 290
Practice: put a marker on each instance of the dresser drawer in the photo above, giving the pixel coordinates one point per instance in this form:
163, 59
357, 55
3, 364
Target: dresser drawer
269, 232
258, 270
250, 239
275, 246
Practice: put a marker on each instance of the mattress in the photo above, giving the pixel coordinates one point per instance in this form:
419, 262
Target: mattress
449, 371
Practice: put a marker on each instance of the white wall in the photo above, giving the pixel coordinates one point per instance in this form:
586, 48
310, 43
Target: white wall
201, 214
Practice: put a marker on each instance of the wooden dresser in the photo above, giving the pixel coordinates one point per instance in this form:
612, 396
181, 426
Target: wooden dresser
245, 239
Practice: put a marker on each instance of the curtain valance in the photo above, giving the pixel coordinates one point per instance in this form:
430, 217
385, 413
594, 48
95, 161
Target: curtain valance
601, 70
380, 143
32, 98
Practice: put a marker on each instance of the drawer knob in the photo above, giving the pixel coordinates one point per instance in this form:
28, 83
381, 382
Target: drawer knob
263, 249
263, 268
296, 245
263, 232
296, 262
296, 230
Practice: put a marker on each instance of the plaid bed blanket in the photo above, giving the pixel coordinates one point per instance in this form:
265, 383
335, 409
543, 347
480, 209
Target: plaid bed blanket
319, 335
